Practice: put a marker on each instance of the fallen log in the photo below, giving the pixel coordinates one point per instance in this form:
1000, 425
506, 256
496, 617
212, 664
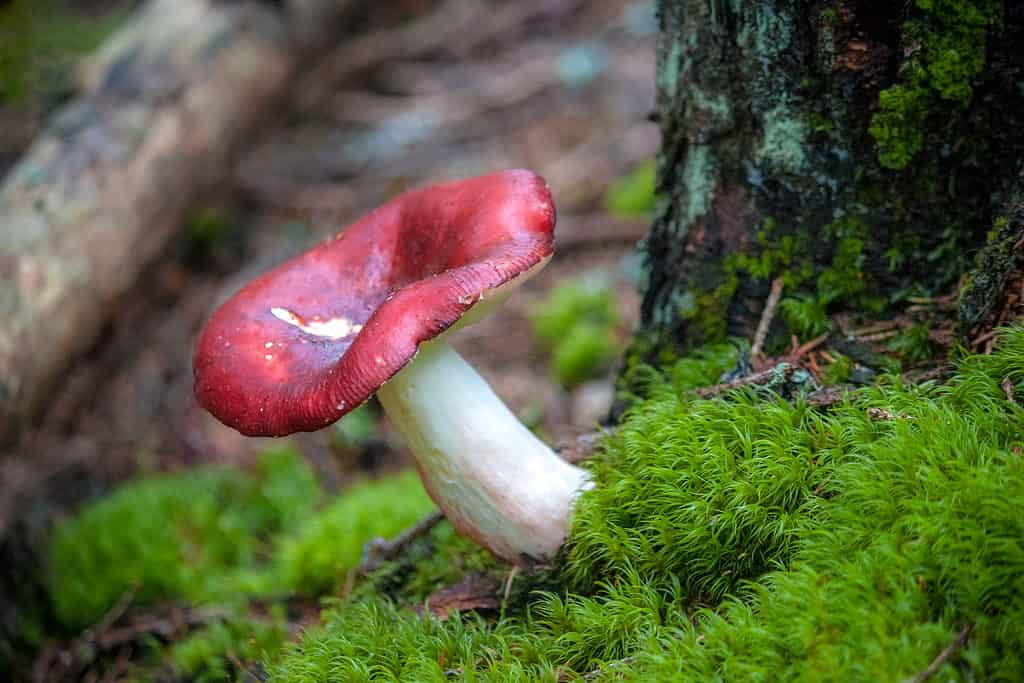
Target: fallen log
161, 110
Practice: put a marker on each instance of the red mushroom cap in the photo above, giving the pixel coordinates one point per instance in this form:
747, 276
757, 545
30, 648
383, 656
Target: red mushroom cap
307, 342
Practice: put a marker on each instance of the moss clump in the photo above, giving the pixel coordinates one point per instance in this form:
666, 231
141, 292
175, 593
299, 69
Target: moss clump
440, 559
734, 503
738, 539
813, 290
576, 323
224, 536
945, 44
212, 653
920, 536
317, 557
633, 195
375, 641
914, 344
583, 353
838, 371
39, 39
192, 536
704, 367
217, 535
805, 316
357, 429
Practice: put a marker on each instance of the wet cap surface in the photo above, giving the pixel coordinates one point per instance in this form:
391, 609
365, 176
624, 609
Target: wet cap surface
300, 346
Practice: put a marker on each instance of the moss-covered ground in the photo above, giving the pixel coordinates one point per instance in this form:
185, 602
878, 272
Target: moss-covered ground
736, 538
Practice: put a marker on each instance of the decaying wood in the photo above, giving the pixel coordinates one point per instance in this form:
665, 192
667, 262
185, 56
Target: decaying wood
473, 592
992, 294
162, 109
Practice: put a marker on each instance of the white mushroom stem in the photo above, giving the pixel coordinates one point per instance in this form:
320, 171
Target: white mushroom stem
493, 479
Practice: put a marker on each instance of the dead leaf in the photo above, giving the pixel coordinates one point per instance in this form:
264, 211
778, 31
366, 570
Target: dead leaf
476, 591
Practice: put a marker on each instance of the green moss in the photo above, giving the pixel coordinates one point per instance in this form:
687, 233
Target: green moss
440, 559
218, 535
212, 653
633, 195
702, 368
374, 641
357, 429
838, 371
945, 46
920, 537
584, 352
774, 255
39, 39
707, 494
318, 556
195, 536
843, 280
820, 123
744, 539
209, 230
914, 344
814, 289
576, 323
898, 126
805, 316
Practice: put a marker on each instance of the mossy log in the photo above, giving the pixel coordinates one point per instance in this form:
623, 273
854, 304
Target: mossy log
162, 108
862, 152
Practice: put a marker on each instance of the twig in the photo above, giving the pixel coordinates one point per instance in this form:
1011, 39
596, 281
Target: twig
880, 326
94, 632
766, 320
879, 336
943, 657
178, 619
981, 339
378, 551
755, 379
807, 347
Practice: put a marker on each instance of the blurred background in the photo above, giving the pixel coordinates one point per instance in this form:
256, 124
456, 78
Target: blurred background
423, 92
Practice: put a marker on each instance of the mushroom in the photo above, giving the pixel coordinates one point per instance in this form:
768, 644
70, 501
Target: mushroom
370, 311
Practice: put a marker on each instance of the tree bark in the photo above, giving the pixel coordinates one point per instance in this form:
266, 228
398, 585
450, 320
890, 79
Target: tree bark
162, 108
861, 151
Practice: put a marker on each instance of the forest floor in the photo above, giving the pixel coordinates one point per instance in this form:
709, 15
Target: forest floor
459, 88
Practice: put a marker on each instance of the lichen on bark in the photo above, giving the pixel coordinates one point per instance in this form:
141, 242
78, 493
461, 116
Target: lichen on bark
772, 164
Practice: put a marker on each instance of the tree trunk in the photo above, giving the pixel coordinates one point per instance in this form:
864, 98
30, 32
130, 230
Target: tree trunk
162, 109
859, 152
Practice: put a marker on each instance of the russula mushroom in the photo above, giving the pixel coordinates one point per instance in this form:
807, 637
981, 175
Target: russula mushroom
370, 311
